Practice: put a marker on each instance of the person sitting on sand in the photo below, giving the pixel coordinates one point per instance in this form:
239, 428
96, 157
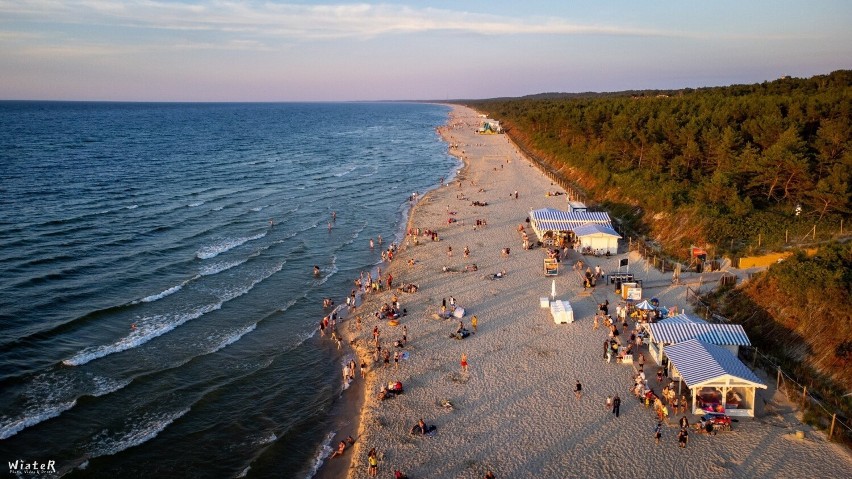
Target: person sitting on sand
422, 429
340, 449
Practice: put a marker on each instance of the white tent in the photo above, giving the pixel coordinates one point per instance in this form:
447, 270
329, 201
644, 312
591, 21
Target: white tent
598, 237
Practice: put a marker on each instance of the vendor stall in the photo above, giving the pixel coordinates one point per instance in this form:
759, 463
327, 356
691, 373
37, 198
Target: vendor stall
718, 381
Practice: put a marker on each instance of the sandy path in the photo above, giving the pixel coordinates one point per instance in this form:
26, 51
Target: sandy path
514, 411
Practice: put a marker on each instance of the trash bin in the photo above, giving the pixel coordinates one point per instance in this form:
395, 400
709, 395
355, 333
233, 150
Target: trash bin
699, 267
617, 285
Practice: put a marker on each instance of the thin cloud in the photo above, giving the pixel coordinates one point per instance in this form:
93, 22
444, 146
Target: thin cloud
298, 22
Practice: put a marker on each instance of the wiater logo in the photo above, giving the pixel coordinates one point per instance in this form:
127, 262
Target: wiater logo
35, 467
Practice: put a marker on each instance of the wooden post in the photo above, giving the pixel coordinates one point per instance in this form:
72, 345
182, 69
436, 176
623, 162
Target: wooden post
831, 429
754, 357
804, 394
786, 236
778, 381
758, 240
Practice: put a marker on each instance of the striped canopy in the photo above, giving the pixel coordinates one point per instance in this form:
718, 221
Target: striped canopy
549, 219
700, 363
559, 216
682, 318
678, 332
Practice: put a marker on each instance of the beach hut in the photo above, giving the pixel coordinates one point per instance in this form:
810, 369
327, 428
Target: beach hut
717, 379
600, 238
684, 327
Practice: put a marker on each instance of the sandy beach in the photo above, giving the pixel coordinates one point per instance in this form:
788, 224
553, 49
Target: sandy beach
514, 411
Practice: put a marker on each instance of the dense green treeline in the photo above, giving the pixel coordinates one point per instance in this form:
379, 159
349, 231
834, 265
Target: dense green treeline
733, 159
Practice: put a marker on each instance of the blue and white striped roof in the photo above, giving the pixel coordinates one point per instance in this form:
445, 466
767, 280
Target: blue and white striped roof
559, 216
589, 229
699, 363
678, 332
681, 319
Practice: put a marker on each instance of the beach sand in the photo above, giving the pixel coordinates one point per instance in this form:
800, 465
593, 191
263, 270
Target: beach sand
514, 411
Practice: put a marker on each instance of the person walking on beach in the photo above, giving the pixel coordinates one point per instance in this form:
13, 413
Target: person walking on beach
658, 432
609, 403
616, 405
464, 362
466, 251
474, 321
578, 390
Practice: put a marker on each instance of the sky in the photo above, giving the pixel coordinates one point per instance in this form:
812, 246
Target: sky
231, 50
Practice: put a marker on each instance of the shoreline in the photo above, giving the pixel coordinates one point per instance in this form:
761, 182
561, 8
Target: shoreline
513, 411
350, 410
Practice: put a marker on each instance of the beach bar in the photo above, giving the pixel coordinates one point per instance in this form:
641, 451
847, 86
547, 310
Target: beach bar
549, 222
717, 379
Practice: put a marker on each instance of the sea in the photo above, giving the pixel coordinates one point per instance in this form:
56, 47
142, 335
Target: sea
158, 304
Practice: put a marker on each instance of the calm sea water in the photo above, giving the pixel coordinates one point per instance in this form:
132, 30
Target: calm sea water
152, 322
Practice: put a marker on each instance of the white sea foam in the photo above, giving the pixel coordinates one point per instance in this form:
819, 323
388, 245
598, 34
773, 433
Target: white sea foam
147, 329
218, 208
330, 272
151, 327
324, 451
32, 416
230, 294
266, 439
233, 337
104, 386
259, 208
161, 294
209, 270
214, 250
346, 172
196, 204
146, 428
131, 207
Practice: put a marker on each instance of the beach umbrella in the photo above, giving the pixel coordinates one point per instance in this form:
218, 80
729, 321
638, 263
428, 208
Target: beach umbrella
553, 289
645, 306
